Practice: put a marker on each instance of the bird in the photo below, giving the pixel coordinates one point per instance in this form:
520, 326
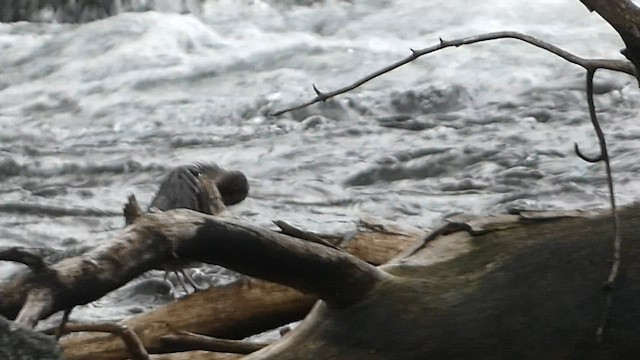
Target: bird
190, 187
182, 188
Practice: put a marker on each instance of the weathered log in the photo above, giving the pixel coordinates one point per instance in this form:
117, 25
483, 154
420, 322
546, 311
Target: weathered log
516, 287
233, 312
240, 309
529, 290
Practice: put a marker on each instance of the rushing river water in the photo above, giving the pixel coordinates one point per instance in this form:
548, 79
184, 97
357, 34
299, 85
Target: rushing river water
91, 113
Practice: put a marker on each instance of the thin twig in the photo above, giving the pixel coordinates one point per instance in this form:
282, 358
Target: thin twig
617, 240
614, 65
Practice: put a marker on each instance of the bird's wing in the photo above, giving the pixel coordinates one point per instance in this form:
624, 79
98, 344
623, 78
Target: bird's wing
180, 189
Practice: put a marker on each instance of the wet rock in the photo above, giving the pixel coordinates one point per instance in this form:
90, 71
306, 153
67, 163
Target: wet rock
464, 185
430, 100
19, 343
406, 122
52, 191
9, 167
314, 122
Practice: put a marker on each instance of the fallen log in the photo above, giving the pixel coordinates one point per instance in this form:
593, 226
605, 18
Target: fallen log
528, 289
241, 309
508, 285
519, 286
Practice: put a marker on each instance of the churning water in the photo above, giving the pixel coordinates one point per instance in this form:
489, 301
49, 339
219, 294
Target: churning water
90, 113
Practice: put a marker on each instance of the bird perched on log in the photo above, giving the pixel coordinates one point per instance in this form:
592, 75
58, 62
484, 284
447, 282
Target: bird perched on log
202, 187
185, 187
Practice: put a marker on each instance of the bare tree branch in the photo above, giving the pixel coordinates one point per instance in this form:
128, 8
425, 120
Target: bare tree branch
614, 65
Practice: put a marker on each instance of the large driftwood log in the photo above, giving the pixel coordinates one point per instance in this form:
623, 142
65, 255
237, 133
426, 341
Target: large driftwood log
525, 290
526, 286
241, 309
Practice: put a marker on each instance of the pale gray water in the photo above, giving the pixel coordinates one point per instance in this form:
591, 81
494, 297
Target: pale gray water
91, 113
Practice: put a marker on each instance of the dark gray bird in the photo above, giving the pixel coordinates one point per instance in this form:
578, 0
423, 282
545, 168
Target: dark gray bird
181, 189
186, 186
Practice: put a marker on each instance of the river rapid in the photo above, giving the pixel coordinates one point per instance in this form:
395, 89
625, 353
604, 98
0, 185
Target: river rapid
90, 113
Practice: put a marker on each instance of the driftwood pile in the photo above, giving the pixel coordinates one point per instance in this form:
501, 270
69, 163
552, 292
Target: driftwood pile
526, 285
